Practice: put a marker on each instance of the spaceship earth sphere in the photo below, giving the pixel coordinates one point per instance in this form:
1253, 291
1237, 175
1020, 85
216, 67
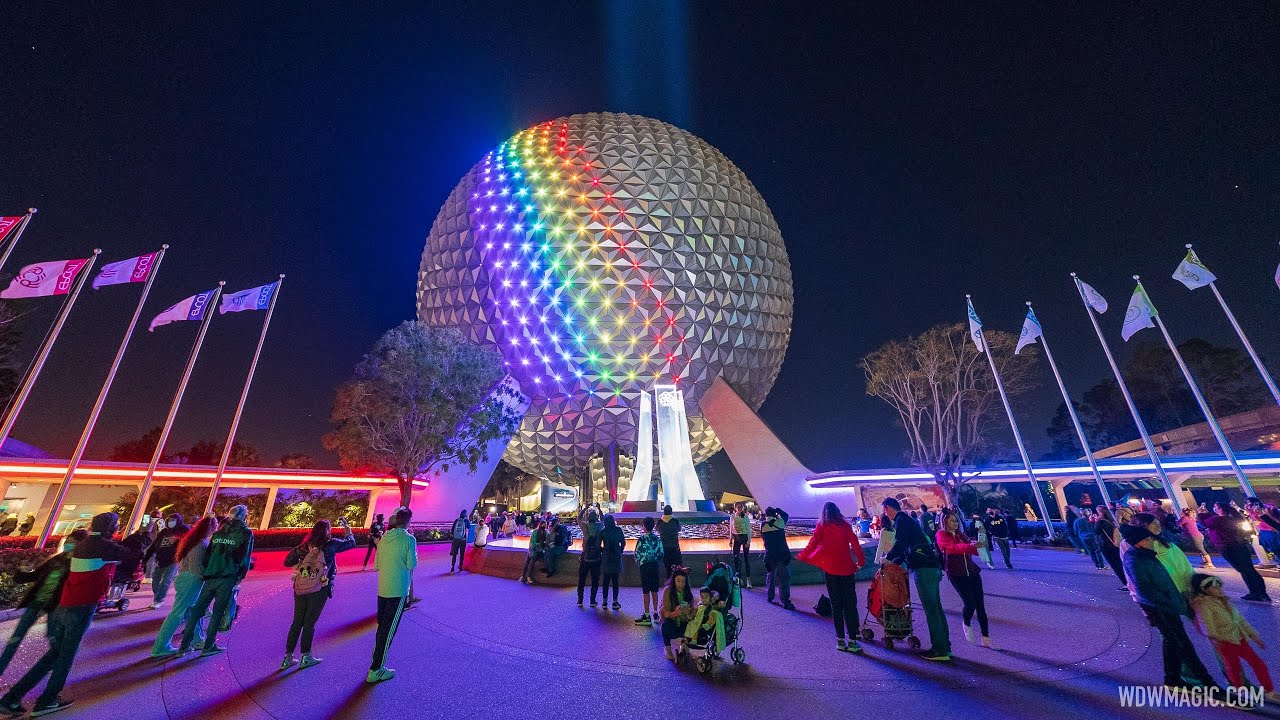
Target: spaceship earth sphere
603, 254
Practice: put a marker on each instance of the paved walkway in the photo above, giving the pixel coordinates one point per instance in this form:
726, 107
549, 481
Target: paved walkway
1065, 639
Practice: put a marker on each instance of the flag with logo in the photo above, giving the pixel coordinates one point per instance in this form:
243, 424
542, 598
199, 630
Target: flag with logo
258, 298
1094, 298
1139, 313
192, 308
1192, 273
43, 279
1030, 331
8, 223
132, 270
975, 328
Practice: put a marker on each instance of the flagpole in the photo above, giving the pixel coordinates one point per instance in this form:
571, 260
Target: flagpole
17, 235
1075, 419
244, 395
29, 381
144, 492
74, 463
1262, 369
1017, 435
1128, 399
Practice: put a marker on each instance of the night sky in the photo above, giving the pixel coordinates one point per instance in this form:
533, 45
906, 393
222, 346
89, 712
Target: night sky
909, 156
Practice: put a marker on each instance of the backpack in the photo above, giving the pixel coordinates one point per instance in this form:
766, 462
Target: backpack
823, 607
312, 574
459, 529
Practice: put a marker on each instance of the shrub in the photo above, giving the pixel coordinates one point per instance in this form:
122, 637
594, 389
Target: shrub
11, 542
11, 561
285, 538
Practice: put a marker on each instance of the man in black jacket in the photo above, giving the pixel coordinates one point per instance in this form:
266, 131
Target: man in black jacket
164, 550
777, 555
998, 530
913, 549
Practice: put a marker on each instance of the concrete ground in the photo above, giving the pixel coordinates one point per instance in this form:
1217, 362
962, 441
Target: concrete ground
481, 646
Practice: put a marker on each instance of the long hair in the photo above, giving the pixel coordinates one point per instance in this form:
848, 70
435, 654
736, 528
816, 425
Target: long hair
669, 590
832, 514
196, 535
320, 534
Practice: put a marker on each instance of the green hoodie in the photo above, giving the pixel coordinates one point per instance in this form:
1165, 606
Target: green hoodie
397, 557
230, 552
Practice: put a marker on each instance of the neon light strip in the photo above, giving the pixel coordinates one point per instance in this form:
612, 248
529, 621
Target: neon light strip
90, 471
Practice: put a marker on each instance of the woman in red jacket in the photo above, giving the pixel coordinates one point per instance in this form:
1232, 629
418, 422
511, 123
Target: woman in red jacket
957, 560
834, 550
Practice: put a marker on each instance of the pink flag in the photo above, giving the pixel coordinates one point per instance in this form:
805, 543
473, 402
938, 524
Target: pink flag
42, 279
7, 223
126, 271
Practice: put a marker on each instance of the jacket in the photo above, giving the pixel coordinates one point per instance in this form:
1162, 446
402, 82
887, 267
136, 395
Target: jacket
396, 559
613, 540
997, 526
648, 549
1082, 528
911, 547
90, 572
330, 549
774, 533
1224, 530
166, 545
1219, 620
1150, 583
669, 531
957, 554
741, 524
230, 551
592, 545
47, 580
832, 549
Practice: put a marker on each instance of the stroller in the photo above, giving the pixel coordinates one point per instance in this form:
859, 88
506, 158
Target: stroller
889, 603
725, 583
121, 581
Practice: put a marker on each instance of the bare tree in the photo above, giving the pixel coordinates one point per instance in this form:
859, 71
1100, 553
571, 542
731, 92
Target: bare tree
946, 398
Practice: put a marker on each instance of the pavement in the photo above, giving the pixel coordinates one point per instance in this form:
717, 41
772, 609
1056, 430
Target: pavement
1065, 639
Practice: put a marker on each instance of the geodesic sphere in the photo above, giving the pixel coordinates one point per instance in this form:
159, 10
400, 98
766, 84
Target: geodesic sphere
603, 254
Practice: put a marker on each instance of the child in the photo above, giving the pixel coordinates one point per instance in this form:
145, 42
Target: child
707, 625
1230, 633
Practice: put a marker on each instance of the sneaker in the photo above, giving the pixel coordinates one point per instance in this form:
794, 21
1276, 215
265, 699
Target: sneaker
593, 604
197, 645
166, 651
788, 606
288, 662
644, 620
12, 709
309, 660
155, 606
748, 583
617, 605
968, 633
379, 675
212, 650
53, 707
1273, 697
990, 566
413, 601
986, 642
936, 656
853, 647
579, 603
842, 646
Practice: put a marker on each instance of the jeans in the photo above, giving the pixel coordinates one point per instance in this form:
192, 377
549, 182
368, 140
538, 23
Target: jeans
610, 579
28, 618
218, 592
1240, 557
584, 568
1176, 648
1270, 541
552, 559
389, 611
844, 604
778, 575
185, 591
306, 611
67, 626
1075, 541
457, 552
1003, 544
1095, 553
742, 555
969, 588
928, 585
1197, 545
161, 579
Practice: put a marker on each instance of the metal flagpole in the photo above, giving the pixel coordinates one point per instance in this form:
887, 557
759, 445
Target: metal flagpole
244, 395
144, 492
1262, 369
17, 235
1075, 419
1128, 399
43, 354
1017, 435
74, 463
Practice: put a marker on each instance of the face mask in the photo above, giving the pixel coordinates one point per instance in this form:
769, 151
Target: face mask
68, 547
173, 523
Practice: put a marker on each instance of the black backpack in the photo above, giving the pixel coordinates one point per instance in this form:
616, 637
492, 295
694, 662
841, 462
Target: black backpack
823, 607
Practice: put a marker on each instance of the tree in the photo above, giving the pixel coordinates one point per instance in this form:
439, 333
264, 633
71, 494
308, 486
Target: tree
139, 450
946, 398
304, 507
187, 501
207, 452
10, 366
296, 461
423, 399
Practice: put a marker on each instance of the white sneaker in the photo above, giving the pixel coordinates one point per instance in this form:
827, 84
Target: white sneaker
383, 673
308, 661
748, 583
288, 662
155, 605
986, 642
968, 633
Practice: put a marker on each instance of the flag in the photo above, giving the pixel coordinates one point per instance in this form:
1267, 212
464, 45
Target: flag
126, 271
1030, 331
1278, 275
7, 223
258, 298
42, 279
1094, 298
975, 328
1138, 315
193, 308
1192, 273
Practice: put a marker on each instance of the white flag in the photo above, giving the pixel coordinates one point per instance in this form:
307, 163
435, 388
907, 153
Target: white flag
1278, 275
192, 308
1030, 331
42, 279
258, 298
975, 328
1094, 298
1192, 273
133, 270
1139, 313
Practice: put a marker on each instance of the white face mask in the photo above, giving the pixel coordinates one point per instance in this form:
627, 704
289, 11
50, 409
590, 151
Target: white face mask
173, 523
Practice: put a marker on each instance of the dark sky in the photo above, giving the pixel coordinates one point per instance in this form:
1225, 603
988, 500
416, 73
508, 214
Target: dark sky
909, 155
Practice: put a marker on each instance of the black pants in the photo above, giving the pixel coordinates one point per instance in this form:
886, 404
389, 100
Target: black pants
670, 556
373, 547
969, 587
593, 568
457, 552
742, 552
389, 611
1177, 649
1112, 554
844, 604
610, 580
1003, 544
306, 611
1240, 557
67, 626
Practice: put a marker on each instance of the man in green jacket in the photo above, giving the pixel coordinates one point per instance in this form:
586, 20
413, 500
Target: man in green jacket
396, 559
230, 554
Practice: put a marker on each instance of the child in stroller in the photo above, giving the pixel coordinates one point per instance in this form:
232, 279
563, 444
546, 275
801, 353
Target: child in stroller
720, 595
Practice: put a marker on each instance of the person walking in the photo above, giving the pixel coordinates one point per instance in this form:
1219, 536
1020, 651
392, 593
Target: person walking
42, 597
964, 574
376, 531
1164, 606
1227, 533
190, 556
613, 540
834, 549
87, 581
1000, 532
1190, 527
458, 548
315, 566
740, 523
916, 551
1083, 528
226, 564
669, 531
648, 554
592, 555
1218, 620
163, 551
1108, 533
397, 557
777, 556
